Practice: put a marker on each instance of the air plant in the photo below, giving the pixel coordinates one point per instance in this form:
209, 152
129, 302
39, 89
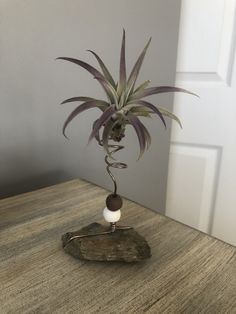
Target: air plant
124, 104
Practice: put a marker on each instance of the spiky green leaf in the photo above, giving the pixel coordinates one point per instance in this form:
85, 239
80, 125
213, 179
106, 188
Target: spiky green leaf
142, 86
137, 125
135, 71
147, 135
105, 136
122, 80
150, 106
78, 110
98, 75
169, 114
101, 104
104, 69
158, 90
97, 135
141, 111
101, 121
111, 90
80, 98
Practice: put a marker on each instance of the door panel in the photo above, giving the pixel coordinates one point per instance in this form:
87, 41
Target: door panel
206, 41
202, 170
196, 168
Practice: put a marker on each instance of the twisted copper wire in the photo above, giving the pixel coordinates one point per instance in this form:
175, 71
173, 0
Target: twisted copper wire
110, 164
114, 164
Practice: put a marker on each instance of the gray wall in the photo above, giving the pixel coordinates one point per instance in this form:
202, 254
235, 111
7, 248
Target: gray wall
32, 34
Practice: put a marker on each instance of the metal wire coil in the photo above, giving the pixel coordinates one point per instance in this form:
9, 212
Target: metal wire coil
114, 164
110, 164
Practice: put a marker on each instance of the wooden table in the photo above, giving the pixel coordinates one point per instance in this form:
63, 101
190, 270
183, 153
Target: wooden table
189, 272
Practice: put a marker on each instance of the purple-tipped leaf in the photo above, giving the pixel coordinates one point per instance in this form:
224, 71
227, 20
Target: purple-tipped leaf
169, 114
150, 106
137, 125
110, 88
91, 70
141, 111
102, 120
142, 86
158, 90
97, 136
78, 110
83, 64
82, 98
104, 69
122, 81
147, 135
142, 114
135, 71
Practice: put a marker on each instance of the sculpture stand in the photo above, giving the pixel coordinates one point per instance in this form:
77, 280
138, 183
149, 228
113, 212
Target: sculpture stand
96, 242
115, 243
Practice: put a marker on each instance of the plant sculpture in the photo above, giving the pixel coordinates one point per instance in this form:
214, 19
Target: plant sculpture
124, 105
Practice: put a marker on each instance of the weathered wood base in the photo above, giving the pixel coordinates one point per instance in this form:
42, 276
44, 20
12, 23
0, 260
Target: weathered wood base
121, 245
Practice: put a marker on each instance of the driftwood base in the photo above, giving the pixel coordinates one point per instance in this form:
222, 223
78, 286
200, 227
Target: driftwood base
121, 245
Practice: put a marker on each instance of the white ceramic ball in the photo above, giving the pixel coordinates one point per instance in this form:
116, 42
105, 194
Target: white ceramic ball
111, 216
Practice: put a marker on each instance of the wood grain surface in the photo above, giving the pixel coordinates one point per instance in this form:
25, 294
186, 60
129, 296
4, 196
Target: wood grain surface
189, 272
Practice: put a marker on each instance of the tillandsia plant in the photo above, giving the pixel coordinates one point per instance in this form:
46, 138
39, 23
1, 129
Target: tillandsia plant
124, 104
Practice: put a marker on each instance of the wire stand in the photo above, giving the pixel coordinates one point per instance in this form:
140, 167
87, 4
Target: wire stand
110, 164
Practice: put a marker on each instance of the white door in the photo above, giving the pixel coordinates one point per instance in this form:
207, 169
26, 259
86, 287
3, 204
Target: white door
202, 172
